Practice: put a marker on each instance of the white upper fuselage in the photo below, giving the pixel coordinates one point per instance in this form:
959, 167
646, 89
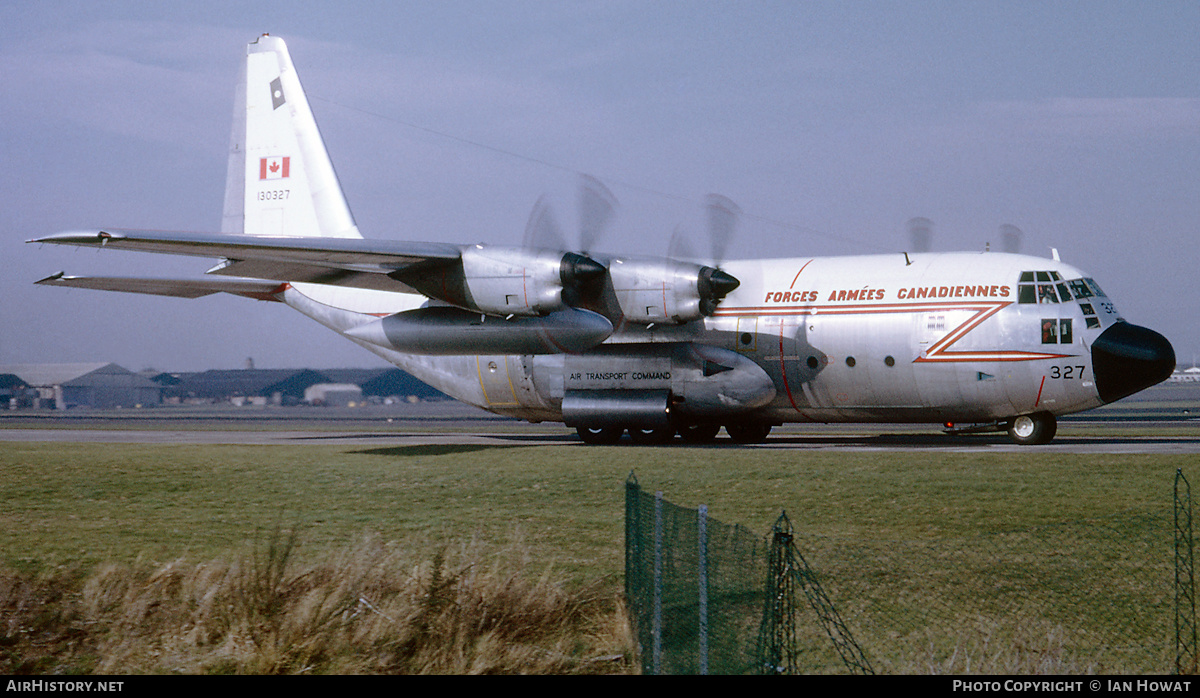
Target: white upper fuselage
929, 337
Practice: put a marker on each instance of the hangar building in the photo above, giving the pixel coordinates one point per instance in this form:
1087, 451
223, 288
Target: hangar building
87, 385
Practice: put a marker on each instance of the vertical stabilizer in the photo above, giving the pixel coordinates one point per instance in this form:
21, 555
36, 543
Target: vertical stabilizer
280, 179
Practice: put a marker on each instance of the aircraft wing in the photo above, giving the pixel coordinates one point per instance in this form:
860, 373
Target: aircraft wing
179, 288
335, 261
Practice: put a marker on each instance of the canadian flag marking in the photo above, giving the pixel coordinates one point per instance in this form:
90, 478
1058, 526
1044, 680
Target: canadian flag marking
277, 167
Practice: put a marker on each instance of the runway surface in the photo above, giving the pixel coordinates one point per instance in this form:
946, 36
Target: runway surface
790, 440
1161, 420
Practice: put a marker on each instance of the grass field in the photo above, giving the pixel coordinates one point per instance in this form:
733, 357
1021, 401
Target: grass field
86, 503
84, 506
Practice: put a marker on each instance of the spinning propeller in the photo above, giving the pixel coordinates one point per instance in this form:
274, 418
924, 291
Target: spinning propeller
646, 290
716, 283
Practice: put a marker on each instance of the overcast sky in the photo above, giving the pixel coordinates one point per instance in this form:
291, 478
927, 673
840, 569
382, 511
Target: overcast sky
830, 123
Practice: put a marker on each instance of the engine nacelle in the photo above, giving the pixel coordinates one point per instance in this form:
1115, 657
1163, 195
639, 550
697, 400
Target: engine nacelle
504, 281
664, 290
513, 281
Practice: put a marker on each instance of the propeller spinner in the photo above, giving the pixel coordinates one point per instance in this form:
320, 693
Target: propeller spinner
714, 283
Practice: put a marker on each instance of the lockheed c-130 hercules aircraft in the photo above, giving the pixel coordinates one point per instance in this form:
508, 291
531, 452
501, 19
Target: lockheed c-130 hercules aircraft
653, 346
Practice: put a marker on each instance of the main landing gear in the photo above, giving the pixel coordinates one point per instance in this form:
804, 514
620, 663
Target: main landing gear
600, 436
740, 433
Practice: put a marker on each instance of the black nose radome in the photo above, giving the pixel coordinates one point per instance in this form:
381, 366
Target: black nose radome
1127, 358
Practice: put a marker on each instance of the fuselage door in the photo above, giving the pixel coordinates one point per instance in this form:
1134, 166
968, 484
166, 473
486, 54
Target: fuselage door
497, 386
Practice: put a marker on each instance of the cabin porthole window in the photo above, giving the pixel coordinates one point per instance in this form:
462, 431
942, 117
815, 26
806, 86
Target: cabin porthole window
889, 361
850, 361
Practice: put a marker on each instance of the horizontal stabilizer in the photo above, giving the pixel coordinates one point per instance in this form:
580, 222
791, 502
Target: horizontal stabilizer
179, 288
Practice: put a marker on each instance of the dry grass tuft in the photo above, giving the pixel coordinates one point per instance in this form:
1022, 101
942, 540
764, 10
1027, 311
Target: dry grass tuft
1017, 647
369, 609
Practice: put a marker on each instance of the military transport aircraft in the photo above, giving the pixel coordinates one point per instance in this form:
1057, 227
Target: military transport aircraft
656, 347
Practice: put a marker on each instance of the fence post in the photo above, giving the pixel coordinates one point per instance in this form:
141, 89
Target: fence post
1185, 579
702, 565
777, 631
633, 537
656, 623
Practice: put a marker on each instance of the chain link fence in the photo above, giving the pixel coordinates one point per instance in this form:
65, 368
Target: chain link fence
695, 587
1081, 597
1103, 595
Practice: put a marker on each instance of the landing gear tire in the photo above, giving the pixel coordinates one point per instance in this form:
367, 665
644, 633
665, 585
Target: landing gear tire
748, 433
699, 433
600, 436
651, 437
1033, 429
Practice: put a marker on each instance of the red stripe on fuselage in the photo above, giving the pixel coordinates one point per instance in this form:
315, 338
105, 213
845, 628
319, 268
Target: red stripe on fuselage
797, 276
939, 352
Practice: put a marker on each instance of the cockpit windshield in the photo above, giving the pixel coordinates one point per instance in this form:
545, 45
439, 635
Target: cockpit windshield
1040, 287
1049, 287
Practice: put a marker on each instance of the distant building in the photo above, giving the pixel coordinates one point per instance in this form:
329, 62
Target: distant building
107, 385
386, 382
241, 386
1189, 375
13, 391
101, 385
333, 394
288, 386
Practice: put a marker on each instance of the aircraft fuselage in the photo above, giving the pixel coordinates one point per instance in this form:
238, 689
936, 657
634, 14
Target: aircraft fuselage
955, 337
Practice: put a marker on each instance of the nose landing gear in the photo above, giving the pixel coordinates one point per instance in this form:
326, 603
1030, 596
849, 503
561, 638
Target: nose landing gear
1033, 429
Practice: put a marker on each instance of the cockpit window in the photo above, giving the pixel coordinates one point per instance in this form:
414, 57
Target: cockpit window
1080, 289
1039, 287
1057, 331
1083, 290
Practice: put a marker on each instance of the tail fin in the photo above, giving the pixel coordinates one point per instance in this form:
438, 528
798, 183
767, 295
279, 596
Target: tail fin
280, 179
